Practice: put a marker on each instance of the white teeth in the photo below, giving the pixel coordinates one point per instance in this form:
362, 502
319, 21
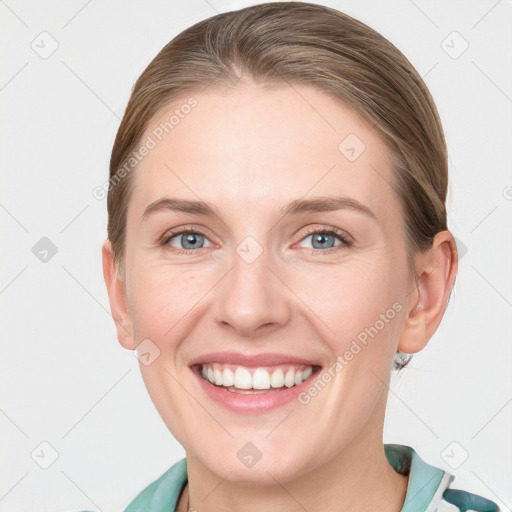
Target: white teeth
260, 379
307, 373
243, 378
289, 379
277, 379
217, 375
228, 377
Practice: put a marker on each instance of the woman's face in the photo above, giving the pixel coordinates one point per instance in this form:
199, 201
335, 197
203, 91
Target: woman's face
275, 166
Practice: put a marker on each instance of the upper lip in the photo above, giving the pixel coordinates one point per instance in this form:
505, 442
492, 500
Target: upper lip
250, 360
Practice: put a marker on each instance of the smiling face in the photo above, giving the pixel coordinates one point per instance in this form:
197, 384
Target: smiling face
320, 281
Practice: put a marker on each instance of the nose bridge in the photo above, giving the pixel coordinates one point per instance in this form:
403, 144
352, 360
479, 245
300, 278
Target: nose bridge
251, 296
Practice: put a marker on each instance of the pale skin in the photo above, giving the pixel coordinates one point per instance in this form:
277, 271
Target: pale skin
249, 152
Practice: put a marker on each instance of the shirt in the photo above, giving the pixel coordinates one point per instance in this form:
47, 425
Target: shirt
428, 489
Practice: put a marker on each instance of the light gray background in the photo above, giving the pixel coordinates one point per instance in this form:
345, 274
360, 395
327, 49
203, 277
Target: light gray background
66, 381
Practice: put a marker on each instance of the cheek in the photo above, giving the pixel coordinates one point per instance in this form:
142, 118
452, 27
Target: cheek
162, 297
362, 305
358, 300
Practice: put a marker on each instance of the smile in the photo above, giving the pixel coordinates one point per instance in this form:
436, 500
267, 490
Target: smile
241, 379
253, 383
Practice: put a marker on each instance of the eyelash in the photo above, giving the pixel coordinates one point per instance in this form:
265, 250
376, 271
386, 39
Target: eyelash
345, 241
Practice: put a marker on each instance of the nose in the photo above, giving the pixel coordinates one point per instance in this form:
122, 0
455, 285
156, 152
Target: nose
252, 299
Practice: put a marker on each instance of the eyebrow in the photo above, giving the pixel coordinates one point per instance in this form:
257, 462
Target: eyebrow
296, 207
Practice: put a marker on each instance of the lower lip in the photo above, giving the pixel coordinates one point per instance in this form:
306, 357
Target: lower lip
252, 403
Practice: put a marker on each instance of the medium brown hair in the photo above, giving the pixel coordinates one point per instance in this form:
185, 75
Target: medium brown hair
299, 43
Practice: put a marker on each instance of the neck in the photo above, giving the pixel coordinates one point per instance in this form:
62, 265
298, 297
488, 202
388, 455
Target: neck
358, 479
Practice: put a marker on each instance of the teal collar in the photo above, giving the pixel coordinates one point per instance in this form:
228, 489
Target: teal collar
425, 488
426, 483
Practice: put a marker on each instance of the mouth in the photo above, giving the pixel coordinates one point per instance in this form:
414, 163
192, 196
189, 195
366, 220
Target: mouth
255, 380
252, 383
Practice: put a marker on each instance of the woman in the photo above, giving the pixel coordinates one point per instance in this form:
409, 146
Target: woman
277, 240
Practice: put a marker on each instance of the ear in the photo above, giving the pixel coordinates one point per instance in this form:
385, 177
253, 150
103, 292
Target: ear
436, 269
117, 297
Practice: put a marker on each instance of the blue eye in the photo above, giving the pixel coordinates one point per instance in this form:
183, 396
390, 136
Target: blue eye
325, 238
187, 238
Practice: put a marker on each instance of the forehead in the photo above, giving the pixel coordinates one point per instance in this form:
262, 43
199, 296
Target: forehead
255, 148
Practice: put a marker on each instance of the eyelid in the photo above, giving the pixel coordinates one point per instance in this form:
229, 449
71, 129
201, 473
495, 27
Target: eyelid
343, 236
171, 233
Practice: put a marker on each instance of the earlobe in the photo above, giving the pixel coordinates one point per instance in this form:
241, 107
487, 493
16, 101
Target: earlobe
117, 297
436, 269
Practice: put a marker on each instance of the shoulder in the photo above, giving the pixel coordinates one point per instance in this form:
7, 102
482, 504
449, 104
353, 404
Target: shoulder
162, 494
458, 500
430, 488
